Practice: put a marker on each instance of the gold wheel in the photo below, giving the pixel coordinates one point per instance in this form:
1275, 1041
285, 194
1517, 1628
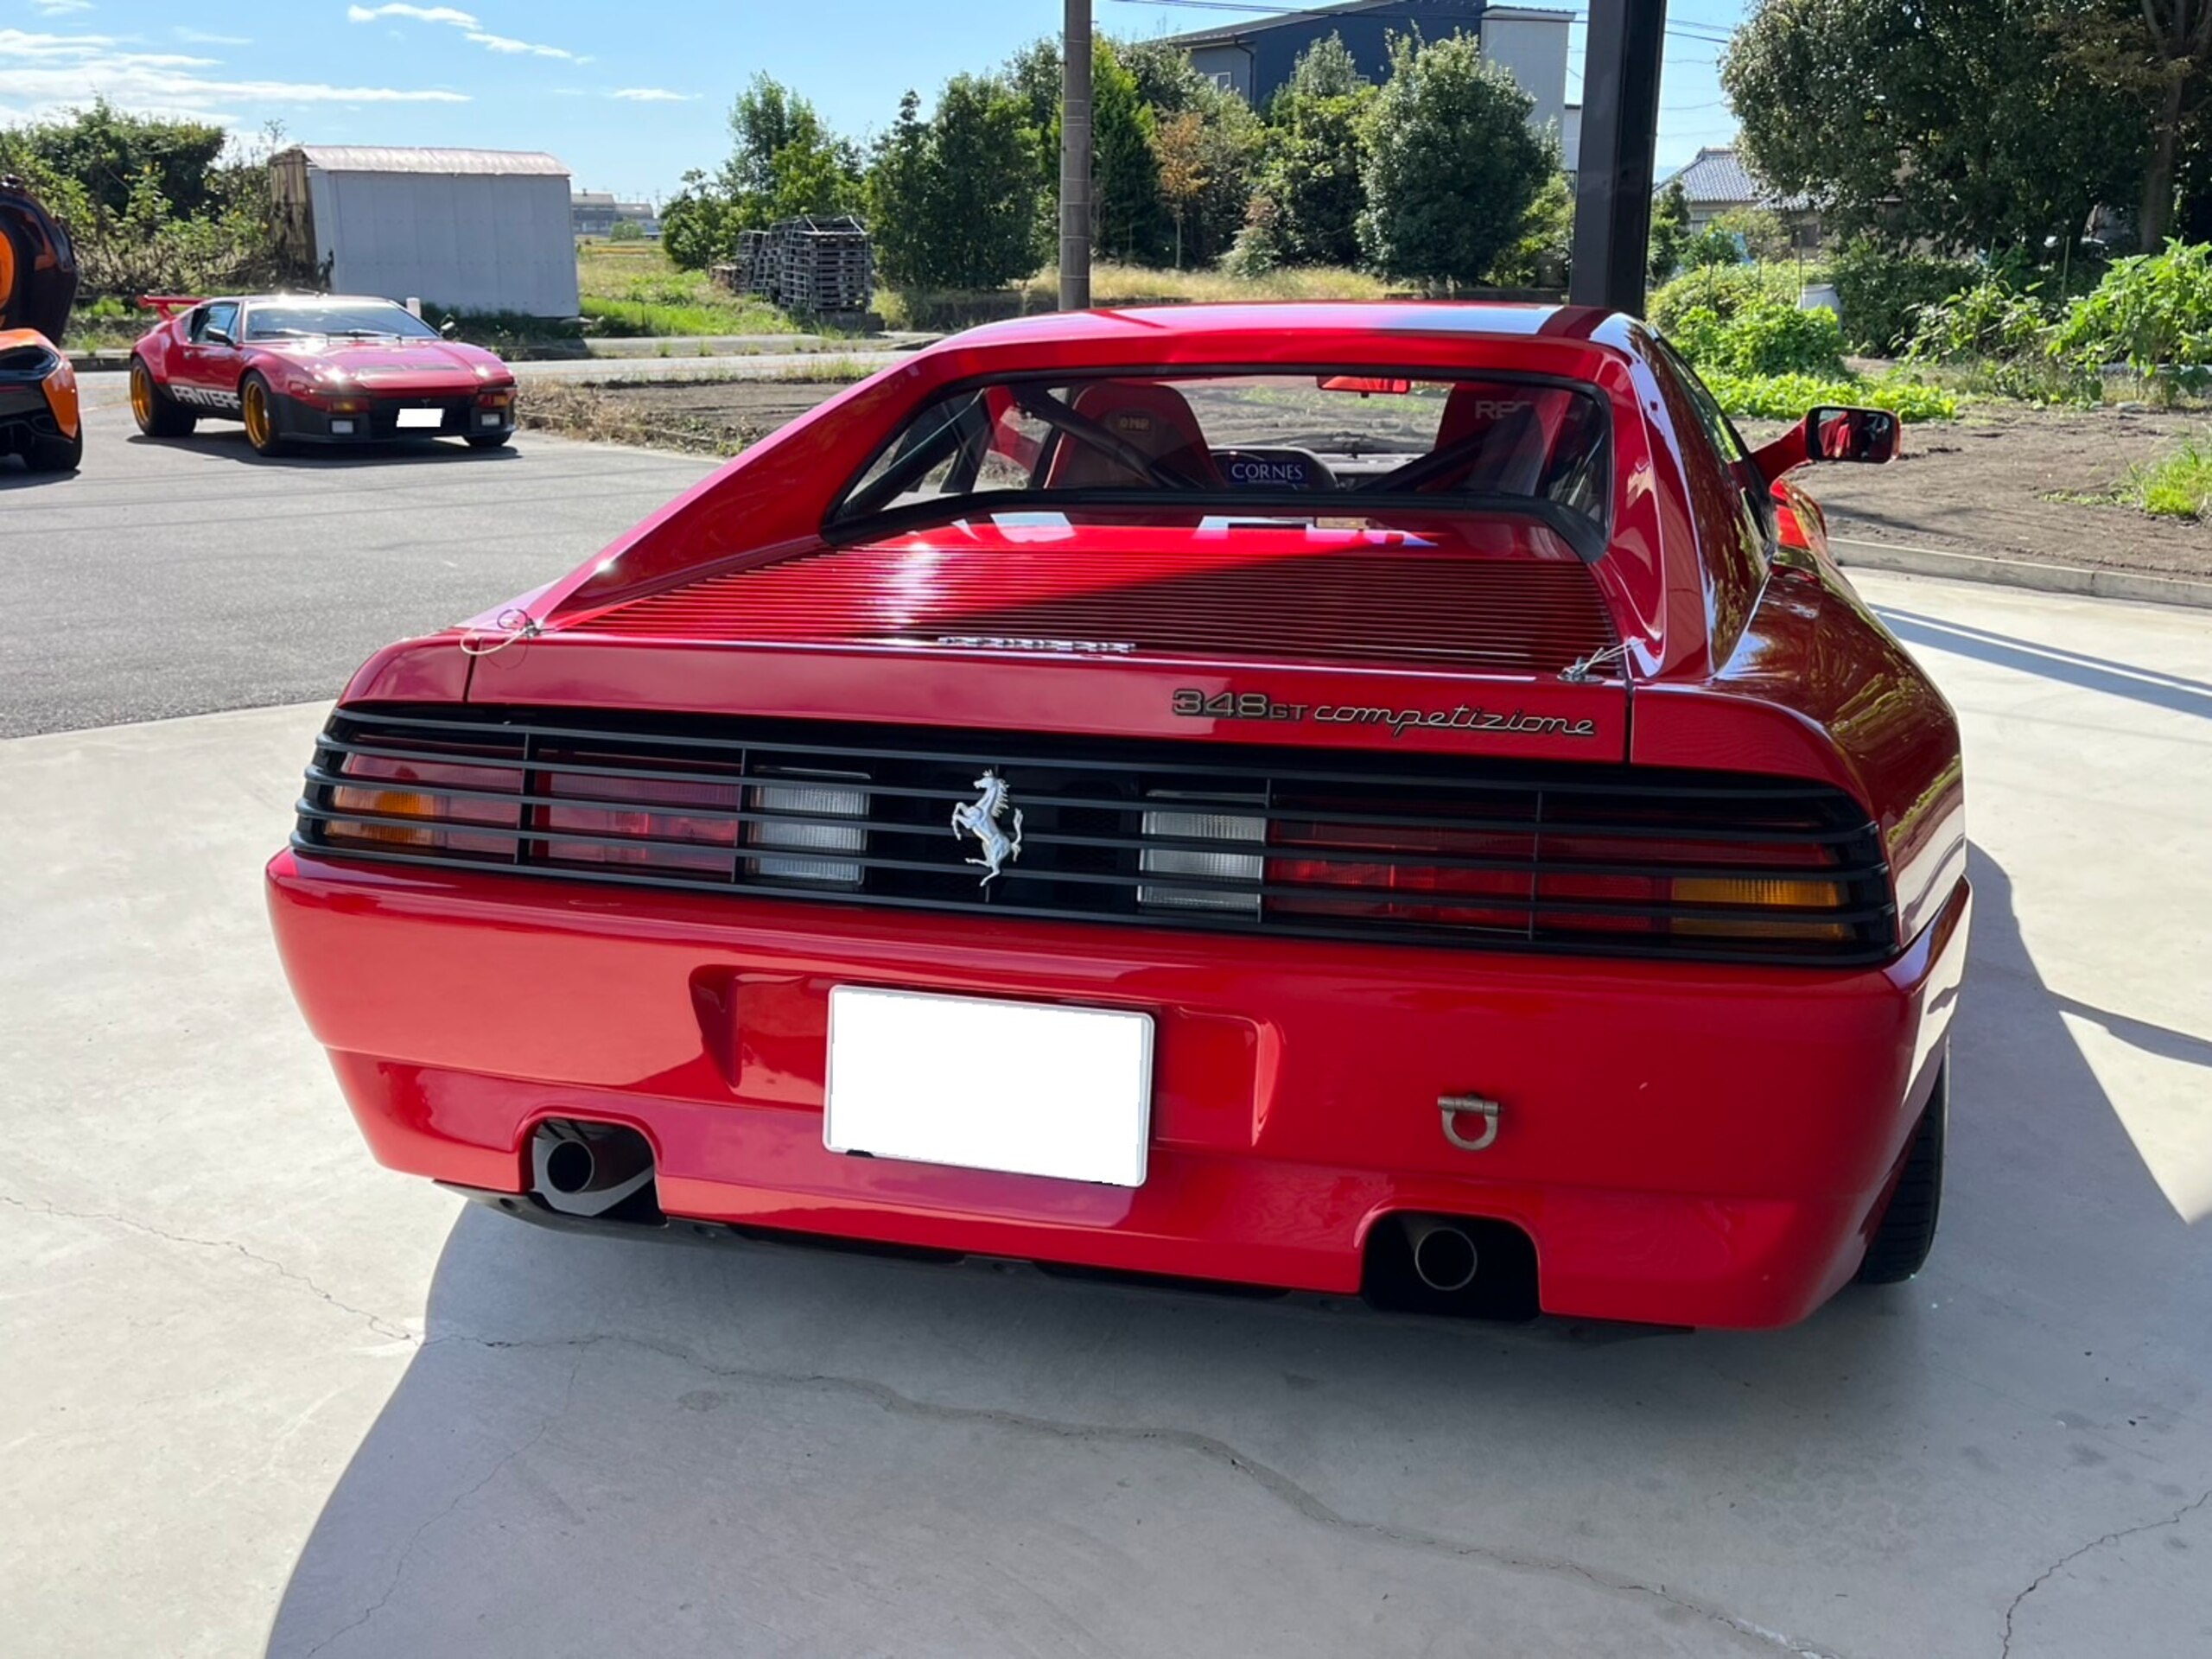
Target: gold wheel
260, 420
142, 395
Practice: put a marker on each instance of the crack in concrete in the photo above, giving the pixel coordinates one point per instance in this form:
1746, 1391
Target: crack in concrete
407, 1550
377, 1323
2012, 1611
1275, 1483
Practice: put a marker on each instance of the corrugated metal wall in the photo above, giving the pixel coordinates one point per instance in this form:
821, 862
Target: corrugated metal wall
470, 242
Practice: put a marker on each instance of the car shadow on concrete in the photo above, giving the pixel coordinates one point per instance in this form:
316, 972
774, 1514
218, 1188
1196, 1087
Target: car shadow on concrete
2145, 685
232, 446
612, 1447
15, 475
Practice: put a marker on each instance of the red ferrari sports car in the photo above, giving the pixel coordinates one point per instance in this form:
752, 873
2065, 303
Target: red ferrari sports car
1389, 797
315, 368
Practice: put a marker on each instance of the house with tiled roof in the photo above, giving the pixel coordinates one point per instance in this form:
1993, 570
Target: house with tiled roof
1718, 181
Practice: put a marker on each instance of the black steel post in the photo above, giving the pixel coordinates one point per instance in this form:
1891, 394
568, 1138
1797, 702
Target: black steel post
1620, 137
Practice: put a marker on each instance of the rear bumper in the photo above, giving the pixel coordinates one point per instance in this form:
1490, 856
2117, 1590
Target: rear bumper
45, 407
1685, 1144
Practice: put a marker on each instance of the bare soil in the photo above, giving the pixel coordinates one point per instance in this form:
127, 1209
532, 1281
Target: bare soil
2021, 483
2003, 481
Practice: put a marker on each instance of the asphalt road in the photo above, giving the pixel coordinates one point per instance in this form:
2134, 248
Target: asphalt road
257, 1394
180, 576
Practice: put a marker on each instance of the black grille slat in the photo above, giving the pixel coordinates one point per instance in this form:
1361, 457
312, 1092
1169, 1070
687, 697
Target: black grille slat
1082, 802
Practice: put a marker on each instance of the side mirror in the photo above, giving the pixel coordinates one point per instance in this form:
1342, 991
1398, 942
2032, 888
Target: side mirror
1836, 433
449, 327
218, 336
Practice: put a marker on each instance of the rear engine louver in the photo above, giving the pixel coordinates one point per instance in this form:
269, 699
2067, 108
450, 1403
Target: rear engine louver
1519, 615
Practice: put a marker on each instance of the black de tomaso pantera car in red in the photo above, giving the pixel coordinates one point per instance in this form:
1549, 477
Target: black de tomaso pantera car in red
1325, 796
315, 368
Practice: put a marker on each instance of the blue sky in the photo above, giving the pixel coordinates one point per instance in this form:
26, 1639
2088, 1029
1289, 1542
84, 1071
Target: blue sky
629, 95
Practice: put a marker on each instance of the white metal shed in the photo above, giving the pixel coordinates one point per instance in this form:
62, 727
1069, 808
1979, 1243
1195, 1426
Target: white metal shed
467, 230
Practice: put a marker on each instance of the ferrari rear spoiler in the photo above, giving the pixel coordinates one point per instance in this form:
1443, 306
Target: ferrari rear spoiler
169, 304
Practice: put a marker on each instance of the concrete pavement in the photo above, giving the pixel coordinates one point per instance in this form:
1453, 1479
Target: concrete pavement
180, 576
254, 1392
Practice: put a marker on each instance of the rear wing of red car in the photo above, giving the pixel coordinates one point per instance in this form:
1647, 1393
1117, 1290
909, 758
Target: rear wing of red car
168, 304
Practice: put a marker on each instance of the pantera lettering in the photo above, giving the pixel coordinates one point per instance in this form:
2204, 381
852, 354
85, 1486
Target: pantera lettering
1258, 705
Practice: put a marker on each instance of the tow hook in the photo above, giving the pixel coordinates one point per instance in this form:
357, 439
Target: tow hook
1456, 1107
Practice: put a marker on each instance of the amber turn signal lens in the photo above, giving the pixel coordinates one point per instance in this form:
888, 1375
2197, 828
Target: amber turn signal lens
1759, 893
393, 803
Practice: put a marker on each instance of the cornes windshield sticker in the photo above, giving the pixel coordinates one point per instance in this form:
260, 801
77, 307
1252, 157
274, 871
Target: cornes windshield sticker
1195, 704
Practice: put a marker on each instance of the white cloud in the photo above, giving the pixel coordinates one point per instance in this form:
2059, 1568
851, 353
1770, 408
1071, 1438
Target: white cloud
59, 8
420, 13
507, 44
202, 37
468, 21
49, 73
653, 95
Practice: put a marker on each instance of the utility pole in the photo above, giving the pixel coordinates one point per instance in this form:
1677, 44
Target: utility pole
1620, 125
1075, 156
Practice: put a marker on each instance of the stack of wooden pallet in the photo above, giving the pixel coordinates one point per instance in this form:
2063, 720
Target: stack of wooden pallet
818, 264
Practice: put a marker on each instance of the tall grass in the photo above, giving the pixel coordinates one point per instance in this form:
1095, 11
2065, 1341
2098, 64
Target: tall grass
631, 288
2178, 485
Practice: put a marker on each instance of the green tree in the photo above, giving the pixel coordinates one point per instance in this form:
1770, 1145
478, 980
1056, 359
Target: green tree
1712, 246
1452, 167
1325, 69
1670, 231
1954, 123
953, 199
1129, 219
2156, 54
1224, 146
1314, 172
1765, 236
700, 224
110, 154
1543, 252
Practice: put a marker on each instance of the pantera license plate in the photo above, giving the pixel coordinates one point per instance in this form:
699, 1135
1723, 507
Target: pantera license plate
432, 418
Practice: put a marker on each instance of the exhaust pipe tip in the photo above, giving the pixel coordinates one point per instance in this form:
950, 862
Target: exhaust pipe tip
1444, 1257
594, 1170
568, 1167
1458, 1266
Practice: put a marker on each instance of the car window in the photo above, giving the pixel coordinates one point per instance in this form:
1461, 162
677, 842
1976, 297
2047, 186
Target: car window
218, 313
1328, 441
314, 319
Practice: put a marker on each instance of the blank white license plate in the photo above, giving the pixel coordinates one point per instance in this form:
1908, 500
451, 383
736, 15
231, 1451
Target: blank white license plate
433, 419
1029, 1087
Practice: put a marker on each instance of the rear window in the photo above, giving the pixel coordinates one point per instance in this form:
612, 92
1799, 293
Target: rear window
1310, 445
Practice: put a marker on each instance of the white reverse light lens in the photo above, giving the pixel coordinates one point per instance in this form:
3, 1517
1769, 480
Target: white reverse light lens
1233, 870
800, 801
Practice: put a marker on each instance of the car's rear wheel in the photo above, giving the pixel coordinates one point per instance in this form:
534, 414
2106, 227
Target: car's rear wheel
1907, 1231
158, 415
257, 408
56, 455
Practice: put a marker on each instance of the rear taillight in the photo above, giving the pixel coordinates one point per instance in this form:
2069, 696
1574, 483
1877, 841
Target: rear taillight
399, 802
1216, 877
807, 815
1657, 872
673, 823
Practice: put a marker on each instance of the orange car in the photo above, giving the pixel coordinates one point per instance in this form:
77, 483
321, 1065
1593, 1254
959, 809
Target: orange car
38, 283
